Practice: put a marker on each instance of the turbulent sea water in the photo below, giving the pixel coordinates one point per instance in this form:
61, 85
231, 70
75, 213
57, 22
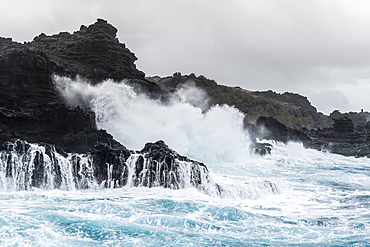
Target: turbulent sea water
319, 199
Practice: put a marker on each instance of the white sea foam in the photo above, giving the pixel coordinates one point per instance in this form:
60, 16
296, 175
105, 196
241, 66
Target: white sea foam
212, 136
323, 201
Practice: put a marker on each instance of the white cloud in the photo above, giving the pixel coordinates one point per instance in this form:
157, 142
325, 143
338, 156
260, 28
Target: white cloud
286, 45
358, 94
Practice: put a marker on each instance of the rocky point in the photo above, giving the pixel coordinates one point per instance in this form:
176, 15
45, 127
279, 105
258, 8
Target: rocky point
32, 111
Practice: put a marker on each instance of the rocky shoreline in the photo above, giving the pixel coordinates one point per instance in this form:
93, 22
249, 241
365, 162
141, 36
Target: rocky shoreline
32, 110
284, 117
27, 165
342, 138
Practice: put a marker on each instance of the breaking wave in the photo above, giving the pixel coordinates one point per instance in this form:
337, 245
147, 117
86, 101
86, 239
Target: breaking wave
212, 136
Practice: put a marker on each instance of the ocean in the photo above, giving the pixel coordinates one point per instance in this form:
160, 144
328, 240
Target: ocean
292, 197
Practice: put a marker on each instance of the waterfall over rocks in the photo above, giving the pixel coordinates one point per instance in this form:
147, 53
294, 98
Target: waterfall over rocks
70, 100
24, 166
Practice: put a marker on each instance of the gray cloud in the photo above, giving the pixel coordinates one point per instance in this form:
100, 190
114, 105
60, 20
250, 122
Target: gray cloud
316, 48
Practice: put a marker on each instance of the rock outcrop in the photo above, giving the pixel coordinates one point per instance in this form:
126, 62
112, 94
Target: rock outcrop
342, 138
71, 152
284, 117
292, 110
63, 147
25, 166
270, 128
157, 164
30, 107
93, 52
358, 119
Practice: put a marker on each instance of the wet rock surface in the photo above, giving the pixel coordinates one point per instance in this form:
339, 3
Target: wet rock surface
32, 110
158, 159
342, 138
24, 166
30, 107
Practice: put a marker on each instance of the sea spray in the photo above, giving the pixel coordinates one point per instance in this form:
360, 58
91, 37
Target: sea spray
25, 166
324, 202
213, 136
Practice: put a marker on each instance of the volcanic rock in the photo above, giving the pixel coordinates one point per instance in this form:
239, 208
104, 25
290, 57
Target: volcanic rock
270, 128
342, 138
292, 110
158, 164
26, 166
31, 108
93, 52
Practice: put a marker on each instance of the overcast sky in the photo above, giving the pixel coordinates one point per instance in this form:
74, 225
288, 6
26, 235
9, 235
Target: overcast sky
318, 48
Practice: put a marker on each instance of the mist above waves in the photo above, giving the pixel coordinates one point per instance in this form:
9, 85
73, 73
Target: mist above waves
214, 135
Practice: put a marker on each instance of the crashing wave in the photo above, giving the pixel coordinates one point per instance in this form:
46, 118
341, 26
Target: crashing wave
24, 166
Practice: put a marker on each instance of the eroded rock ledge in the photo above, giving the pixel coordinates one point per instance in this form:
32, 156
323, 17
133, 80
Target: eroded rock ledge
30, 107
70, 152
24, 166
342, 138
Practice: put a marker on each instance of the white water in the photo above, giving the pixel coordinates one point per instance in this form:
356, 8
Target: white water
26, 166
321, 199
18, 168
134, 120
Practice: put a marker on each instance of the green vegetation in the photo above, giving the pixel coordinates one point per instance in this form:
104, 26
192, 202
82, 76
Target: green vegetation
290, 109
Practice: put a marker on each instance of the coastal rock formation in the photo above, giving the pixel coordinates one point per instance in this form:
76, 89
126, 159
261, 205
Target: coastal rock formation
358, 119
30, 107
275, 130
302, 108
24, 166
157, 164
71, 152
67, 149
283, 117
292, 110
342, 138
93, 52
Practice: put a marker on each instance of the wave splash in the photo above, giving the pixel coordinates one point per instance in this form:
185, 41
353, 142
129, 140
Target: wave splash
216, 135
25, 166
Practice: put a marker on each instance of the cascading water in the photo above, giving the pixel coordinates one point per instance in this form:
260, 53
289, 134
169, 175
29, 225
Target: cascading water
26, 166
215, 135
293, 197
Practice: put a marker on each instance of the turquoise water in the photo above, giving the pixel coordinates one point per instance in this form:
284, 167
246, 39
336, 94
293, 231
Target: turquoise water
320, 200
293, 197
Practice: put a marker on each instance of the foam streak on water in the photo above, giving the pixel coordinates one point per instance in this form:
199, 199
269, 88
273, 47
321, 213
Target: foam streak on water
293, 197
323, 200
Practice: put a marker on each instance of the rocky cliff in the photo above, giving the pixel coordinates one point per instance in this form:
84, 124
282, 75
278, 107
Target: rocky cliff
293, 110
31, 111
93, 52
70, 151
342, 138
30, 107
284, 117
